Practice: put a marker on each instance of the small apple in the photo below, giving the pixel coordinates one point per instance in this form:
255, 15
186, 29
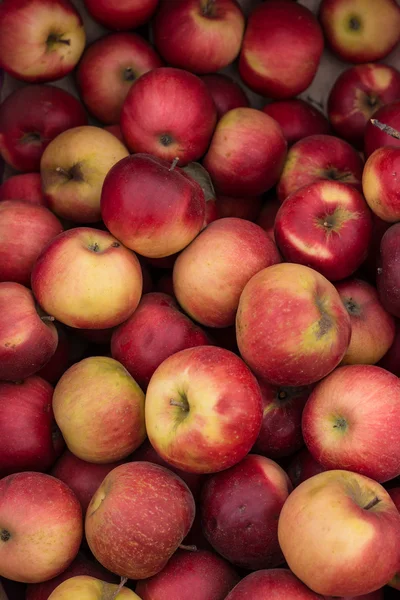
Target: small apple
226, 93
303, 466
274, 584
129, 14
380, 186
267, 216
84, 587
27, 187
298, 119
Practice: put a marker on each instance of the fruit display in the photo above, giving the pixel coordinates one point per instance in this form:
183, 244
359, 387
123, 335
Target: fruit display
199, 299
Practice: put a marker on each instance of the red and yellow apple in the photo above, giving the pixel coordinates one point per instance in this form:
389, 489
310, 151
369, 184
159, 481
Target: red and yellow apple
380, 184
85, 587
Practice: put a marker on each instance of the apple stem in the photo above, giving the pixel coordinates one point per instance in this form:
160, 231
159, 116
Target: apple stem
47, 318
386, 128
63, 172
191, 548
119, 588
372, 503
181, 405
174, 163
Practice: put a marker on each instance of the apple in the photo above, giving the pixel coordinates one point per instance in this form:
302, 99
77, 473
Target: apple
84, 587
73, 168
86, 278
292, 327
320, 157
388, 282
205, 399
107, 70
380, 186
326, 225
267, 216
339, 533
281, 49
40, 527
372, 262
138, 518
247, 153
303, 466
297, 118
394, 493
374, 137
156, 330
153, 207
201, 36
377, 595
99, 409
62, 357
356, 32
210, 274
198, 575
26, 186
357, 94
28, 338
274, 584
169, 113
115, 130
40, 40
372, 327
281, 433
31, 117
226, 92
25, 229
350, 421
129, 14
391, 360
242, 208
199, 174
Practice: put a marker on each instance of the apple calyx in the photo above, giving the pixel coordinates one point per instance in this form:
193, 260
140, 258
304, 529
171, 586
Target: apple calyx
325, 322
4, 535
208, 8
166, 139
340, 423
56, 38
128, 74
352, 307
33, 137
354, 23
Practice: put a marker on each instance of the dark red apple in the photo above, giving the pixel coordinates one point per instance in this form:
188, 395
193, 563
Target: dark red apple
374, 137
226, 93
125, 15
274, 584
303, 466
391, 360
27, 187
388, 279
298, 119
61, 359
242, 208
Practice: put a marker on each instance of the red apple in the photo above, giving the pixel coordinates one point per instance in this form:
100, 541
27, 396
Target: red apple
380, 185
357, 94
303, 466
138, 518
394, 493
115, 130
152, 207
31, 117
388, 278
292, 327
27, 340
247, 153
320, 157
281, 49
203, 409
242, 208
40, 40
358, 33
298, 119
157, 329
40, 527
61, 359
226, 93
91, 588
372, 262
374, 137
339, 533
197, 575
129, 14
391, 360
86, 278
169, 113
107, 70
210, 274
25, 229
27, 187
274, 584
351, 419
326, 225
377, 595
202, 36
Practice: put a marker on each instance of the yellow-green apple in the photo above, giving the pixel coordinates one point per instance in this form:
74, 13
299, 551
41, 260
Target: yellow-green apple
73, 168
247, 153
30, 440
339, 532
267, 216
203, 409
107, 70
26, 186
129, 14
292, 327
198, 575
30, 118
281, 433
326, 225
380, 186
350, 420
240, 509
303, 466
372, 327
246, 207
388, 276
226, 93
40, 527
86, 278
356, 32
28, 338
169, 113
320, 157
138, 518
40, 40
25, 229
156, 330
153, 207
274, 584
281, 49
298, 119
84, 478
99, 409
374, 137
391, 360
357, 94
201, 36
210, 274
85, 587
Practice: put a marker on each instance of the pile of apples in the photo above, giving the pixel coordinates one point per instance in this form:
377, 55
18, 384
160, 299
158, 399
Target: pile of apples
199, 301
